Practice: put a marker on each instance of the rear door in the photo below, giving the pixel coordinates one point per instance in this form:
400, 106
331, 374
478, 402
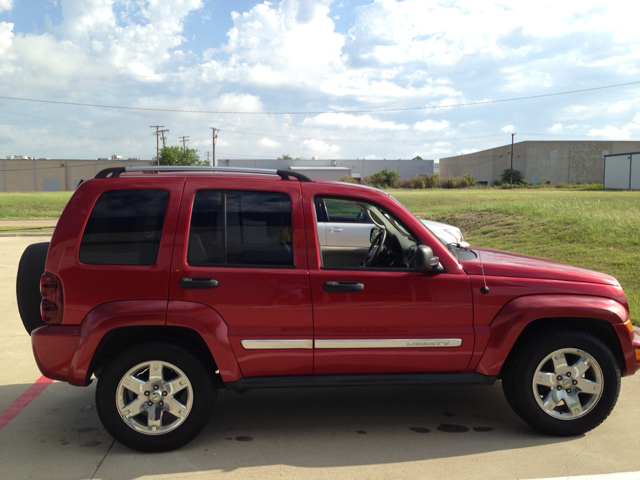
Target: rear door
241, 251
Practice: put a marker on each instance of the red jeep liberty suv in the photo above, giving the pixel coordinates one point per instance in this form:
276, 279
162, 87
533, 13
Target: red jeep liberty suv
168, 283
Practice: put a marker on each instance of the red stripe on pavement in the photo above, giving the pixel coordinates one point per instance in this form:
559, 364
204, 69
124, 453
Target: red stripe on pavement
23, 401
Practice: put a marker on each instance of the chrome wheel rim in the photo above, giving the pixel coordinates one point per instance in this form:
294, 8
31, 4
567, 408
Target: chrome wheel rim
154, 397
568, 383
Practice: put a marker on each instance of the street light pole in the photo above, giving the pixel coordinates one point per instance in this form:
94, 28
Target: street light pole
511, 182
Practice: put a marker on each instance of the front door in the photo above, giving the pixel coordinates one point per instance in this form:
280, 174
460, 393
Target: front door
386, 317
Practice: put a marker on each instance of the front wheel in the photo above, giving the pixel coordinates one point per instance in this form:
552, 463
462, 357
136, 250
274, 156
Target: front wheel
155, 397
563, 383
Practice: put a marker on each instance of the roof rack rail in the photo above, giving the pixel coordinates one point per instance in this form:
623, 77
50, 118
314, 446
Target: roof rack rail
284, 174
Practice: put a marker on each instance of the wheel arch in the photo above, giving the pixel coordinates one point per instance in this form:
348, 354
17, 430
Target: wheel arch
122, 338
595, 326
128, 322
525, 316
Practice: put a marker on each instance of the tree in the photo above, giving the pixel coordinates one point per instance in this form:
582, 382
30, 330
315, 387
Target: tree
506, 176
175, 155
285, 157
417, 158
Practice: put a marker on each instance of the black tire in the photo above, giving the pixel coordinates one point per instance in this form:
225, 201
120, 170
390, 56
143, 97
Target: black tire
562, 401
30, 269
175, 363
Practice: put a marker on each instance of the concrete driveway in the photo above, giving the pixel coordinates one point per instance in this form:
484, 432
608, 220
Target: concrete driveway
54, 432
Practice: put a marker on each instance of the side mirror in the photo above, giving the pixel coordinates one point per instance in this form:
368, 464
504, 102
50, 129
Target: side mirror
425, 260
372, 235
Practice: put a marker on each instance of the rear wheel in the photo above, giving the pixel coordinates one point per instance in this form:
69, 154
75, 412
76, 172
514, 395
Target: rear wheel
155, 397
563, 383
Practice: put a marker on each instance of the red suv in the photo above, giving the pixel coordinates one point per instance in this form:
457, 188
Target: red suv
167, 284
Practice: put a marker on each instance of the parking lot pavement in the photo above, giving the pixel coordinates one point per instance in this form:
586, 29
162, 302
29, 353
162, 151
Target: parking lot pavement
412, 432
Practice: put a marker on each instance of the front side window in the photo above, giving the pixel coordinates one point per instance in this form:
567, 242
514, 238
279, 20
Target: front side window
124, 228
240, 228
359, 234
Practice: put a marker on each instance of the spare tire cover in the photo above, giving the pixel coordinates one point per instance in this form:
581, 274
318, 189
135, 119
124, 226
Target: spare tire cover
30, 269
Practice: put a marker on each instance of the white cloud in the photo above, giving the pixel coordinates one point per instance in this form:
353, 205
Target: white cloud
5, 5
431, 125
620, 107
609, 132
6, 36
267, 143
616, 133
91, 43
345, 120
508, 129
556, 128
318, 147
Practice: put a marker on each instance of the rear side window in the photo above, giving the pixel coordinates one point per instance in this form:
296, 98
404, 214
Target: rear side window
242, 228
124, 228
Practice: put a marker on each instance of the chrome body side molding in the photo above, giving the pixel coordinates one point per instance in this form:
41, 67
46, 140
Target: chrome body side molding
391, 343
277, 344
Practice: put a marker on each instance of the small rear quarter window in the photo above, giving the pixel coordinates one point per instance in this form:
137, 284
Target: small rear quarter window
124, 228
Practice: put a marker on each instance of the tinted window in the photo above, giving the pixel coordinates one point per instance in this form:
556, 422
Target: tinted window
240, 228
124, 228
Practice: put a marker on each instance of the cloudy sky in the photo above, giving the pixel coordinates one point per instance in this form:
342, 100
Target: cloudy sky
314, 78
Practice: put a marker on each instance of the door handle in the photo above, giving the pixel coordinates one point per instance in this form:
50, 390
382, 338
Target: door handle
339, 286
335, 229
198, 283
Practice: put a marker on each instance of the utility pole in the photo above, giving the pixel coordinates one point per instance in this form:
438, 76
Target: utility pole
164, 140
185, 139
214, 135
511, 182
157, 127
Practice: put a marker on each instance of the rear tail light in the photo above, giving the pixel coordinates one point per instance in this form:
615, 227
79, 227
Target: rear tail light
48, 284
51, 305
50, 312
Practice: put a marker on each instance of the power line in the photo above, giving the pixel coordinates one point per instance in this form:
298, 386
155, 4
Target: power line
381, 110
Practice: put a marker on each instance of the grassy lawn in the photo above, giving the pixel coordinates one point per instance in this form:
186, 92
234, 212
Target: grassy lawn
33, 205
586, 227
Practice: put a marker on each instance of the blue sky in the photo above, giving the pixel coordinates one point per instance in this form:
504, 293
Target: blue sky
377, 78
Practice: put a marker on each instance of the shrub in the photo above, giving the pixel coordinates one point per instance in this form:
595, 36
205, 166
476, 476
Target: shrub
496, 183
506, 176
348, 179
466, 180
384, 178
417, 182
431, 181
449, 182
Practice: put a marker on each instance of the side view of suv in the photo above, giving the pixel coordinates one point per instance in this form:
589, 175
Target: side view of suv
169, 283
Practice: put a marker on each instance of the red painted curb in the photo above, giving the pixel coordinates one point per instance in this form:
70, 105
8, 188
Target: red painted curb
23, 401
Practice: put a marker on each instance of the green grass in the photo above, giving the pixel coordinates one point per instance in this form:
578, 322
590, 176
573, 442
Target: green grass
583, 226
594, 229
33, 205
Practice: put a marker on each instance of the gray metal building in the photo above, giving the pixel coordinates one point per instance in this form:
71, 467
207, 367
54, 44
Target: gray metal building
334, 169
540, 161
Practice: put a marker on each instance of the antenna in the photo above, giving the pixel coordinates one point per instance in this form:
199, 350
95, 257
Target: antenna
484, 289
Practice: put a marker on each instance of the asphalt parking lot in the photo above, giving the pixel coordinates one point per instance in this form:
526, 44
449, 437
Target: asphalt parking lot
411, 432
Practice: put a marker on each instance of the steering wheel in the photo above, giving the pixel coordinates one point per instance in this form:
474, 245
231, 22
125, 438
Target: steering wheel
376, 248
